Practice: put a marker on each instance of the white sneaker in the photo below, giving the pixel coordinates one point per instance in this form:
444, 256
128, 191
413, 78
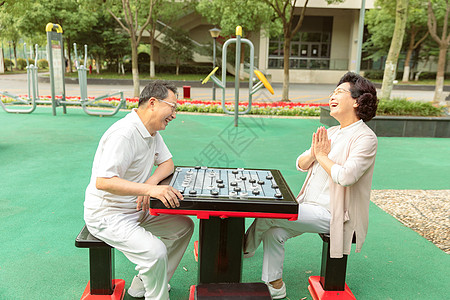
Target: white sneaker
137, 289
277, 293
248, 254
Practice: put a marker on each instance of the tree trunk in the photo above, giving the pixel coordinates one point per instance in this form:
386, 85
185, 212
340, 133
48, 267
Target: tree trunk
394, 50
69, 60
134, 68
2, 61
286, 55
408, 57
406, 69
97, 65
152, 60
15, 56
241, 66
178, 66
439, 89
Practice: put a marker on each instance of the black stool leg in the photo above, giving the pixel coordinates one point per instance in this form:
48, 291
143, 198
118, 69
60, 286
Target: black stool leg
332, 273
101, 270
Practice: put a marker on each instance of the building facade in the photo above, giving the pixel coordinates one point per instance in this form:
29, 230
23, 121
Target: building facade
323, 49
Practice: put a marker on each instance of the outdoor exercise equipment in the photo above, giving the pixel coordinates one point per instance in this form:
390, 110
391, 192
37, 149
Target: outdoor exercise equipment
57, 64
222, 83
32, 86
84, 100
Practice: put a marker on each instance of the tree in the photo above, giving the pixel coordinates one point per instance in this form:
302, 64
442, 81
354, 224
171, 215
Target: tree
284, 10
136, 18
9, 31
394, 50
381, 22
416, 32
443, 41
165, 11
105, 40
71, 15
252, 16
178, 45
249, 14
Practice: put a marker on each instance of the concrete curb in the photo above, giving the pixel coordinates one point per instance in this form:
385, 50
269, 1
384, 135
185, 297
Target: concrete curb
97, 81
415, 87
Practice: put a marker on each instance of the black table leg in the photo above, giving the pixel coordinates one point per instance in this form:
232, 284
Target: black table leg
220, 250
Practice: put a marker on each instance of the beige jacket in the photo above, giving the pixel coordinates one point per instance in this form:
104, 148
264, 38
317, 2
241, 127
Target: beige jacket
350, 186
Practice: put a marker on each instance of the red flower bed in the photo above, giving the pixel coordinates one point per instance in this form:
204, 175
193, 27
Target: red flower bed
199, 102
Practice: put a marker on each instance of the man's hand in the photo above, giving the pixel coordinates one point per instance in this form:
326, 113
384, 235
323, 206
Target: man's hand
143, 202
322, 145
167, 194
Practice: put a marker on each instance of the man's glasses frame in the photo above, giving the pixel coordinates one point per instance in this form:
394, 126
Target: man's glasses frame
173, 105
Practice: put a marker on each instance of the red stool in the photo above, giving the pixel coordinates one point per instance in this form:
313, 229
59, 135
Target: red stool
330, 285
101, 285
230, 291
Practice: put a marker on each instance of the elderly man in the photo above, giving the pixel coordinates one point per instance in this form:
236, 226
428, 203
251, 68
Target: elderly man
117, 197
335, 196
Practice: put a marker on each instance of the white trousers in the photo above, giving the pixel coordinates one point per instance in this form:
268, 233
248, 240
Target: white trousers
275, 232
135, 234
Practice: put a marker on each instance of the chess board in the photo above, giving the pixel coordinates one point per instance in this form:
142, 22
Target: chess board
226, 183
248, 192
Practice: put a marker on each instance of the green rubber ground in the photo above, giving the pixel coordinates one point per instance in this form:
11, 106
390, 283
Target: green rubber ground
45, 164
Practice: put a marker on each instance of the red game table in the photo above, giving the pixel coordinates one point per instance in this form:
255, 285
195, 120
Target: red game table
222, 198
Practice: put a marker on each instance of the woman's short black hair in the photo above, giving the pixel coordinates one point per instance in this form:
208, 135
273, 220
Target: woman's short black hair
158, 89
365, 93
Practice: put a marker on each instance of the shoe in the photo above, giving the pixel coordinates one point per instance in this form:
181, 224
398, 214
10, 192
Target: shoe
137, 289
248, 254
277, 293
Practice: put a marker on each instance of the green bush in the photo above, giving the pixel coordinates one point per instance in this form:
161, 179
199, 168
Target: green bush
374, 74
42, 64
144, 67
21, 63
31, 61
9, 64
378, 74
432, 75
403, 107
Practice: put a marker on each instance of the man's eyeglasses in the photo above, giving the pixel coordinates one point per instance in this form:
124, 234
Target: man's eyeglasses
339, 91
173, 105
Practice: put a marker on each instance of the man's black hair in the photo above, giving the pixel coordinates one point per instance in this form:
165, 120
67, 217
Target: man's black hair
158, 89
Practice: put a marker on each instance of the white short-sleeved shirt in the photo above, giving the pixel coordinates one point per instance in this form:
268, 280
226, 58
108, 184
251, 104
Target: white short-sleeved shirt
128, 151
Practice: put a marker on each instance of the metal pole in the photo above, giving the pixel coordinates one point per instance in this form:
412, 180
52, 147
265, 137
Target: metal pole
236, 75
360, 36
214, 65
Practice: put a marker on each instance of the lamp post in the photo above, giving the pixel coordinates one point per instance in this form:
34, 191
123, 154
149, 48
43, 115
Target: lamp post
215, 32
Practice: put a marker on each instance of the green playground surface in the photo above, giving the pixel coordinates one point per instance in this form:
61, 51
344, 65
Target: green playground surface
45, 165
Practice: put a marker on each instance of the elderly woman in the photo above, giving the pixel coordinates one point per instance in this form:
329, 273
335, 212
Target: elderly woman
335, 196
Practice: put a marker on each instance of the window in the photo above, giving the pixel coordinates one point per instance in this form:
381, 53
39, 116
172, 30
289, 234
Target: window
310, 48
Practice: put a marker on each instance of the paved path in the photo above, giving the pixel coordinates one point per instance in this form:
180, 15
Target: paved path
306, 93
